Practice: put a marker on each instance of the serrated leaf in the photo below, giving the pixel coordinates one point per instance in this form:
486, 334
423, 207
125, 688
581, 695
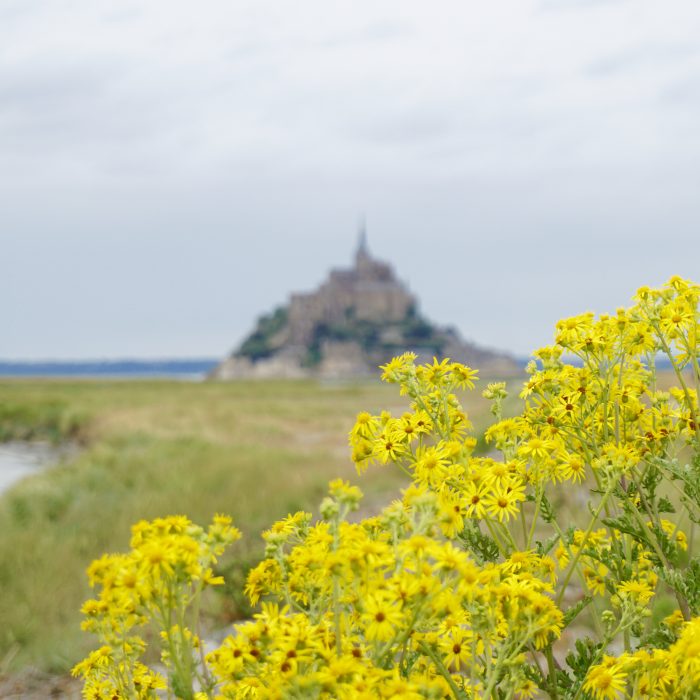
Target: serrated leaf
572, 613
547, 512
483, 547
665, 506
544, 548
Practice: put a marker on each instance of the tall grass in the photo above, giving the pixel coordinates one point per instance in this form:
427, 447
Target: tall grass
253, 450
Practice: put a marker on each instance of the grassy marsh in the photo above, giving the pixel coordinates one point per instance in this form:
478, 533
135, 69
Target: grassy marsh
255, 450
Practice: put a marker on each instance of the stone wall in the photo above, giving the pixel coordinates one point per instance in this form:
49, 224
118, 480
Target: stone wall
370, 291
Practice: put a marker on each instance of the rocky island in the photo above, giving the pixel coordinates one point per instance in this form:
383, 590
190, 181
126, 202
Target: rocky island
356, 320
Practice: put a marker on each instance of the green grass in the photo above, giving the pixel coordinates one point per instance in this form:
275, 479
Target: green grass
255, 450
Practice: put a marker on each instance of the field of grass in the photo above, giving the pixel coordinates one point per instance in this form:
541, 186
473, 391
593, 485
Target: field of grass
254, 450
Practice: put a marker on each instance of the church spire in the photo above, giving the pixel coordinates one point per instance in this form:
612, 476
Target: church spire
362, 249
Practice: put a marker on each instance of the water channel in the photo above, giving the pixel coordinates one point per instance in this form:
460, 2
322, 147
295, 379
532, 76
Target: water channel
20, 459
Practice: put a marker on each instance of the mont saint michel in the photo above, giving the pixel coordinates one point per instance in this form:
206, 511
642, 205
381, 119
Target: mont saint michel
359, 318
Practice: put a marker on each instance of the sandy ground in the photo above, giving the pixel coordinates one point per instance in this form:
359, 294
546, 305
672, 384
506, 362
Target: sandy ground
34, 685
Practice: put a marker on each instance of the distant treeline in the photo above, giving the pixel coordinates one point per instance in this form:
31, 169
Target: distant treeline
144, 368
105, 368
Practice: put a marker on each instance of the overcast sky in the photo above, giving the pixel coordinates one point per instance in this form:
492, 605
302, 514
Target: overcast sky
171, 170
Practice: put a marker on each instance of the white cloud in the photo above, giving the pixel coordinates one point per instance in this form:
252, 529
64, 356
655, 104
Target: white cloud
154, 135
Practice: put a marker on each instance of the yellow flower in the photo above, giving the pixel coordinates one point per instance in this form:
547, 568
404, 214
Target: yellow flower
639, 591
562, 555
381, 617
451, 512
431, 465
571, 330
387, 449
392, 371
97, 659
423, 423
157, 557
405, 429
437, 371
208, 579
676, 535
456, 647
366, 426
537, 447
595, 578
526, 690
503, 503
463, 376
474, 497
497, 474
605, 682
675, 620
573, 468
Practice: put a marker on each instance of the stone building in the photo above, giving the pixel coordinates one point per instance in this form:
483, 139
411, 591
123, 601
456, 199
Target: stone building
369, 291
357, 319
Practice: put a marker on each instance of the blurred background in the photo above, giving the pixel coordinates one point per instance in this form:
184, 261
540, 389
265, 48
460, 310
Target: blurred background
169, 173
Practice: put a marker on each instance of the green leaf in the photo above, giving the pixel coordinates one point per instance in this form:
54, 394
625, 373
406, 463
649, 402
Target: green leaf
547, 512
483, 547
665, 506
572, 613
544, 548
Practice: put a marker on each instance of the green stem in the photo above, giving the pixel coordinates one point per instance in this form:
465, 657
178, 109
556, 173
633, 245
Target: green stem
653, 540
523, 524
399, 640
456, 690
552, 673
586, 535
596, 617
681, 381
501, 659
205, 679
336, 616
496, 538
508, 536
535, 515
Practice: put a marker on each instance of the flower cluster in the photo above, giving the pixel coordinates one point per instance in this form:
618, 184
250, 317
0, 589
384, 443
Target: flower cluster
672, 673
430, 444
465, 586
169, 565
386, 603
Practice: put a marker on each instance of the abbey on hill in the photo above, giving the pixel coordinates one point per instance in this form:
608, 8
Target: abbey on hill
356, 320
